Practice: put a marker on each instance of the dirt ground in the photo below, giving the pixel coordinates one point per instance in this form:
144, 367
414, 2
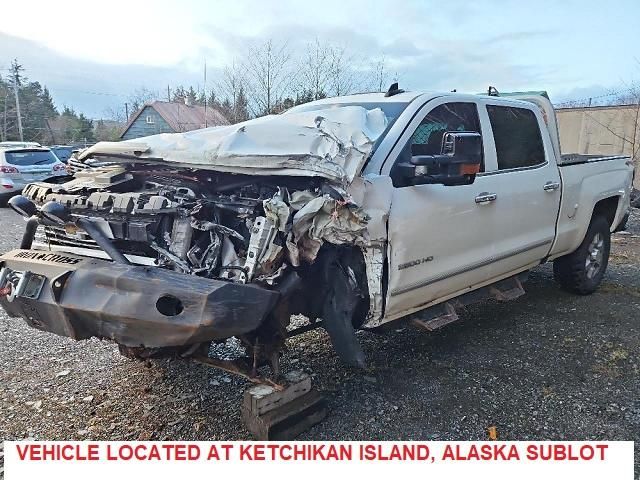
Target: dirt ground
549, 365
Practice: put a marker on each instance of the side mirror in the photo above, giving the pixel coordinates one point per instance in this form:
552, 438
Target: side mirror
457, 164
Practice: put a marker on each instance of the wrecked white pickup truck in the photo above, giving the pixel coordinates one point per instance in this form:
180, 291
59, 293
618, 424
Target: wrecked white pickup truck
352, 211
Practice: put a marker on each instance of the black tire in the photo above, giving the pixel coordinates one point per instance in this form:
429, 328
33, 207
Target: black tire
581, 271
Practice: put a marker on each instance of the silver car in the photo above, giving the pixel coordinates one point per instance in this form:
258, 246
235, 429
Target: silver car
20, 166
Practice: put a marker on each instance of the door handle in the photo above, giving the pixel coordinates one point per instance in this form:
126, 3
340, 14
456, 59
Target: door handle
551, 186
486, 197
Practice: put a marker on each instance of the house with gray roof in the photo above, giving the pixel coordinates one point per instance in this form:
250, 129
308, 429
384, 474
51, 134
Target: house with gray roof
170, 117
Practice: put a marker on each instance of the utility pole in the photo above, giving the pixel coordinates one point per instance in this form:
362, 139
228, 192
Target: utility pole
15, 67
4, 125
126, 111
168, 94
205, 93
53, 137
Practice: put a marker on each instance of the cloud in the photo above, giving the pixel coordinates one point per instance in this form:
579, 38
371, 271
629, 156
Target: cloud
519, 36
428, 61
89, 87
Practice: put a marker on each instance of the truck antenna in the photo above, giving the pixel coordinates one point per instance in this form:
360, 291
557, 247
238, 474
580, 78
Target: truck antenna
393, 90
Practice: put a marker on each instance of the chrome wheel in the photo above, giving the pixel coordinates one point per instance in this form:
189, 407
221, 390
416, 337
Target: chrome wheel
595, 255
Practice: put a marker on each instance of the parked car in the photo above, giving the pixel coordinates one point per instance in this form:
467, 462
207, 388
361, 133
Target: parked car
20, 166
63, 152
19, 144
360, 210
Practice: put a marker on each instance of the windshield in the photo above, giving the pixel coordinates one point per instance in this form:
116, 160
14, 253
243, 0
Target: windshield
30, 157
392, 111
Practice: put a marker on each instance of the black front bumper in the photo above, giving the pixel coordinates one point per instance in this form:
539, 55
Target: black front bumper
133, 305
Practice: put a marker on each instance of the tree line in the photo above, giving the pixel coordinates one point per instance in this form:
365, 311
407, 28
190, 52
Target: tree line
270, 78
39, 119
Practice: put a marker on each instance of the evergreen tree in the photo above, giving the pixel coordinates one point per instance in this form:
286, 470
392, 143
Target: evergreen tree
201, 98
85, 129
212, 101
192, 96
226, 108
241, 108
36, 108
178, 94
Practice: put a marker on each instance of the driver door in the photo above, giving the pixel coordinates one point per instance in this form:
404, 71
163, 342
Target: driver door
441, 238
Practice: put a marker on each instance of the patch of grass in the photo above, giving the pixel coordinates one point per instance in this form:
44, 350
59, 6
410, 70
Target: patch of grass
612, 364
617, 288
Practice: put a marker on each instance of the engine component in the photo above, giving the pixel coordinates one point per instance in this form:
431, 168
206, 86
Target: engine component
260, 245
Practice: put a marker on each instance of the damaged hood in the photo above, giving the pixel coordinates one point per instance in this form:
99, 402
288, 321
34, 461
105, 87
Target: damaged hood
333, 143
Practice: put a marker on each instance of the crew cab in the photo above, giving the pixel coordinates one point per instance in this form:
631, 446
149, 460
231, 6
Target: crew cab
354, 211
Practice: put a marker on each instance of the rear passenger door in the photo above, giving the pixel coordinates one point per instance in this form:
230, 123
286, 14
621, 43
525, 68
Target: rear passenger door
527, 186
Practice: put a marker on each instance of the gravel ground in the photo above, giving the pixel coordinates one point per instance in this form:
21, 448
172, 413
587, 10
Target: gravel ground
549, 365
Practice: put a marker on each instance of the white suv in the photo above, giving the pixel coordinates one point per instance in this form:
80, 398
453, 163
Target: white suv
20, 166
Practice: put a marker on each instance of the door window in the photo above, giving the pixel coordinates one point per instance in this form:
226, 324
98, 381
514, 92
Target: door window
448, 117
517, 137
427, 138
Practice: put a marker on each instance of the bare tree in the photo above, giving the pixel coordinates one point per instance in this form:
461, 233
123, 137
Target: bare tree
316, 70
140, 96
629, 96
269, 76
232, 90
380, 74
115, 114
343, 79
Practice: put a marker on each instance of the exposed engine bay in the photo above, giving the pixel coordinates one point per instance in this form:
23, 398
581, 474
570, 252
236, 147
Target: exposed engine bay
203, 223
301, 237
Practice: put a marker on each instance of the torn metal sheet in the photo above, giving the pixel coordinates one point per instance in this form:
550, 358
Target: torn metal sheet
374, 194
330, 143
360, 219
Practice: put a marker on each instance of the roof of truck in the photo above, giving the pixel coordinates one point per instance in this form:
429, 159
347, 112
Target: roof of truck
374, 97
409, 96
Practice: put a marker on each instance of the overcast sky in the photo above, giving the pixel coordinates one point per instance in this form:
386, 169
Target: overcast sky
92, 55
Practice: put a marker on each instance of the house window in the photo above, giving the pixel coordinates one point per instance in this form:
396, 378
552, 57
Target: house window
150, 120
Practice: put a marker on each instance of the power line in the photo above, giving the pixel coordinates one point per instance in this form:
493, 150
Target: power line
106, 94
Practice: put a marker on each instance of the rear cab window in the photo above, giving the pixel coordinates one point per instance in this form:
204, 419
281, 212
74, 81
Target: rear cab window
24, 158
517, 137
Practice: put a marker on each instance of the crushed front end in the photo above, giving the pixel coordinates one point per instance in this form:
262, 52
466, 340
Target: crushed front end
166, 258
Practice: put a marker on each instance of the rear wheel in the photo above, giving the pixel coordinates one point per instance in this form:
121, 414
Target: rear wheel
581, 271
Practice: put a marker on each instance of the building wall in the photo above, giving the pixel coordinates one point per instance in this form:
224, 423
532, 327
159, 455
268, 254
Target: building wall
613, 130
141, 128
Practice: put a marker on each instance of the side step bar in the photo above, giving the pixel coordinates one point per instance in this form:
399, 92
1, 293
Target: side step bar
438, 316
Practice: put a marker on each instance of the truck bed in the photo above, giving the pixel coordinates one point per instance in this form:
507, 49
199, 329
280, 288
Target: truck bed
587, 179
578, 158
